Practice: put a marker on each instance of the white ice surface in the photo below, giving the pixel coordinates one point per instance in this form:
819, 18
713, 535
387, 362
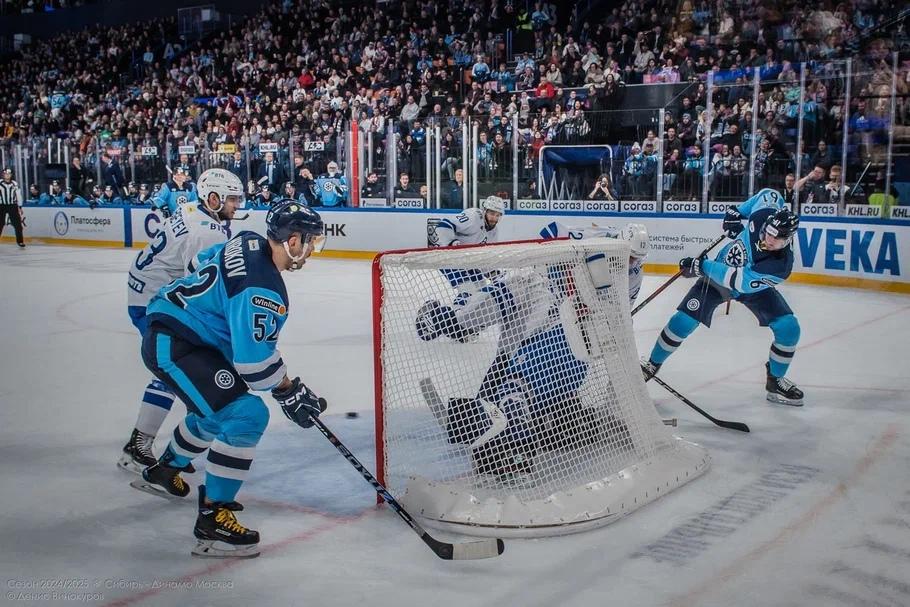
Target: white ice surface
70, 379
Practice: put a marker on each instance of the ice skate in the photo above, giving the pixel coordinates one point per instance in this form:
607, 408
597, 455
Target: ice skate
782, 391
137, 453
219, 534
649, 369
163, 480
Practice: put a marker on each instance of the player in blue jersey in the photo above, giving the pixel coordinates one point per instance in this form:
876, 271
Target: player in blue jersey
212, 338
747, 270
179, 190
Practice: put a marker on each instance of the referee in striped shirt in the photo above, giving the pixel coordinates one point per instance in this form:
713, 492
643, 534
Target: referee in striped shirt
11, 205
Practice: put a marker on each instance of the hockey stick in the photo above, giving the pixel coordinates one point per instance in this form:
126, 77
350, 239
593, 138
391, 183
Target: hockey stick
479, 549
661, 288
720, 422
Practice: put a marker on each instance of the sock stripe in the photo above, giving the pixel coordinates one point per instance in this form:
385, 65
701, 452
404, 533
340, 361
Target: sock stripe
227, 461
224, 472
158, 400
781, 353
185, 439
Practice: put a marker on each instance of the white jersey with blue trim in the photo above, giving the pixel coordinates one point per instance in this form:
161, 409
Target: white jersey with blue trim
742, 266
171, 253
237, 303
467, 227
636, 270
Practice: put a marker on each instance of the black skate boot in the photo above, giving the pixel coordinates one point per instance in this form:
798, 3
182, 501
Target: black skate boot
162, 479
649, 369
137, 453
219, 534
782, 391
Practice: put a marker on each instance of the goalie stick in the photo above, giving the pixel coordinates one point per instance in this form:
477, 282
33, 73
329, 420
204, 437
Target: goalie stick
479, 549
673, 278
720, 422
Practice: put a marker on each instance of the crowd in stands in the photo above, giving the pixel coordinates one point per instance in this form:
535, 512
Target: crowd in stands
298, 71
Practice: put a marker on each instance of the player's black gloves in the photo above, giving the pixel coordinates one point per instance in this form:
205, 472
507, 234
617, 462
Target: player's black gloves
733, 222
691, 266
299, 402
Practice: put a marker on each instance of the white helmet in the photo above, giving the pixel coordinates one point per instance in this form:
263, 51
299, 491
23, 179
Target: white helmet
636, 234
221, 182
495, 204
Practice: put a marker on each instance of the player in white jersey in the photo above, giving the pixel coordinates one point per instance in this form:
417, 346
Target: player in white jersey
170, 255
527, 400
473, 226
635, 234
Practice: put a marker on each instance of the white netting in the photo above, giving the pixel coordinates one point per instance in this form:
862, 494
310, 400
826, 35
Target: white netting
512, 398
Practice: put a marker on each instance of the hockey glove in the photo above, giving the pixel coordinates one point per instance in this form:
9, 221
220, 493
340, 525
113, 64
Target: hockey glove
691, 266
299, 402
733, 222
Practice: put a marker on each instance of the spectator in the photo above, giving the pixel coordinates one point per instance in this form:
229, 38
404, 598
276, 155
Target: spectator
111, 175
634, 169
271, 173
603, 188
372, 188
833, 191
454, 198
672, 169
789, 190
811, 187
238, 167
404, 189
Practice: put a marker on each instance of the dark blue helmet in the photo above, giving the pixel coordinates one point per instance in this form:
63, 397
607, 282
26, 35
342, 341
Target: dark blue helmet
288, 217
783, 224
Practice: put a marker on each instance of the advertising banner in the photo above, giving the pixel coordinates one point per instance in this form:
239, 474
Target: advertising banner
75, 224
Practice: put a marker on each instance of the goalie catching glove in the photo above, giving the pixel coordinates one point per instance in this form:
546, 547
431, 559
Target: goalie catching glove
733, 222
691, 266
299, 403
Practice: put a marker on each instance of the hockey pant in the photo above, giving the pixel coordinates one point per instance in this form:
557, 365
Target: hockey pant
223, 416
768, 306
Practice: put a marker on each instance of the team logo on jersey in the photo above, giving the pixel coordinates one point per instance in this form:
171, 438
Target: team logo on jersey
432, 236
693, 304
224, 379
268, 304
736, 255
182, 200
61, 223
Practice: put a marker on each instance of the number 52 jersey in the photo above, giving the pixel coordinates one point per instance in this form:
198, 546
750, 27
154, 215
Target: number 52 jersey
235, 302
172, 251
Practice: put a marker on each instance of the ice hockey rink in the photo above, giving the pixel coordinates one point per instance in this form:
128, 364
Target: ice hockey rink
811, 508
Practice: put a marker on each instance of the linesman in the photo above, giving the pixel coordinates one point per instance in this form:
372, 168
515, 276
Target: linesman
11, 205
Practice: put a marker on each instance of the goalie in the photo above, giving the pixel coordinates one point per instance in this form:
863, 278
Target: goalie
528, 400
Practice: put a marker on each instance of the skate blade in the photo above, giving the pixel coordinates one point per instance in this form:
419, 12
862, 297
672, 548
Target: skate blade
213, 549
780, 400
143, 485
127, 463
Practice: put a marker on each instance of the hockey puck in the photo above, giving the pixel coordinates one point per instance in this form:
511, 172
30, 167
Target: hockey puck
352, 414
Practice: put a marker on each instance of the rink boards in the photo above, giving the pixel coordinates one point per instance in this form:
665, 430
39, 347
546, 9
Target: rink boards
839, 251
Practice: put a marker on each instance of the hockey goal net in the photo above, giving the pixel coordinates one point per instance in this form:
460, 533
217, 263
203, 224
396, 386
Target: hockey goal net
509, 397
